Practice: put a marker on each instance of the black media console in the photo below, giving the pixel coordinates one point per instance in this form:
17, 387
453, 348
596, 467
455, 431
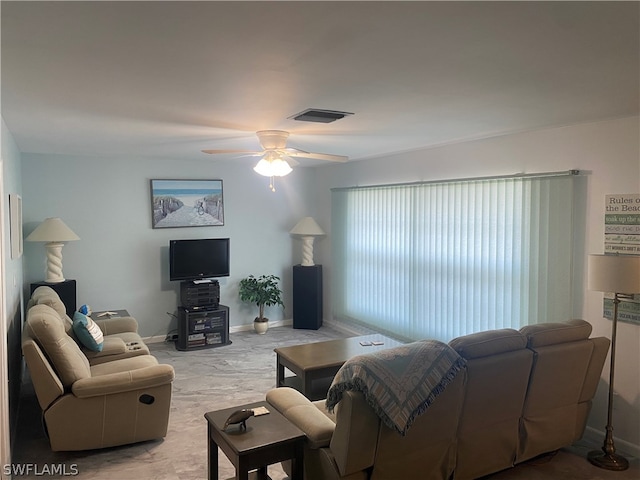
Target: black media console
202, 321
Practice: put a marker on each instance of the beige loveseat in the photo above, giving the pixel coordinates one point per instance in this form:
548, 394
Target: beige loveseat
121, 338
522, 393
85, 406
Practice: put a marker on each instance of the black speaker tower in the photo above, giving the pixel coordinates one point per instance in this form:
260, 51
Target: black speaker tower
307, 297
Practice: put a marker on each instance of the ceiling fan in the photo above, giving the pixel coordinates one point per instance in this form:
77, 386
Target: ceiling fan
277, 159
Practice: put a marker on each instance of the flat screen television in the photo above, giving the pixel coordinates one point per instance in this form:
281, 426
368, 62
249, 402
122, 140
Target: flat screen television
198, 258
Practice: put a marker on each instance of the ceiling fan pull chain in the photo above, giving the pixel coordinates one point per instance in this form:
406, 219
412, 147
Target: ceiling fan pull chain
272, 182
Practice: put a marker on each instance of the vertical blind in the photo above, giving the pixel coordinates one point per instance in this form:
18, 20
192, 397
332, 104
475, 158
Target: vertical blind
440, 260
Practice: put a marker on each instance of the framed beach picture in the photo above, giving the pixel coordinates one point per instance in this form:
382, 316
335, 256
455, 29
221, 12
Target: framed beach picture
186, 203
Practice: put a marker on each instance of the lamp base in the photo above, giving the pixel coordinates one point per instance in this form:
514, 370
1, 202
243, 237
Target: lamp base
307, 251
608, 461
54, 262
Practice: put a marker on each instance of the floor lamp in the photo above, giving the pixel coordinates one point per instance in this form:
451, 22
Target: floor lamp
620, 275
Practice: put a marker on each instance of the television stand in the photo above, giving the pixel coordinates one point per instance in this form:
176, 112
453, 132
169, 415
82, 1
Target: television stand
203, 327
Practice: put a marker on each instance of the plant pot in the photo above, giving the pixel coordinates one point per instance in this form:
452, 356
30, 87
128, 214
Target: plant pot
261, 326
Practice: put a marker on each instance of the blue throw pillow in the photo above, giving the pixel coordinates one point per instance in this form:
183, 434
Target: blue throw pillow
88, 332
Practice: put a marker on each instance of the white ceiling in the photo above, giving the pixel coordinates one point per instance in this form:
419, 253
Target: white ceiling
173, 78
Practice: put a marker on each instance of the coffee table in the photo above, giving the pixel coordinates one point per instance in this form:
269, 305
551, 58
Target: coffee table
319, 362
268, 439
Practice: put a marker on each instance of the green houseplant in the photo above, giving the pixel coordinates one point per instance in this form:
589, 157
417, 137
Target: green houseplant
263, 291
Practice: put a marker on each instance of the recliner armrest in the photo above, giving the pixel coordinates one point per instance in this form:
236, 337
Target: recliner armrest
113, 383
109, 326
300, 411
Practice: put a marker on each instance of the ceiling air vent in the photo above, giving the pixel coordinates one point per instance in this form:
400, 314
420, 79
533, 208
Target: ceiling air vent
319, 116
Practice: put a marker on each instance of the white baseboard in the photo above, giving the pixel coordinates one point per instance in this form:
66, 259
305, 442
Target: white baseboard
155, 339
249, 326
348, 329
626, 449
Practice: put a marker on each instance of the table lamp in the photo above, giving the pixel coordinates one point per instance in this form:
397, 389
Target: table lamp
54, 232
307, 229
620, 275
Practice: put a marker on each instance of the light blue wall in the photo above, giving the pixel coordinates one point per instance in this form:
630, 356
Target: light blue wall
12, 184
121, 262
11, 283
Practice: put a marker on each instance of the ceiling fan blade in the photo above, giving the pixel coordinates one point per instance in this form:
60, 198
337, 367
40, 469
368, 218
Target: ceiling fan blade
228, 151
292, 150
291, 161
319, 156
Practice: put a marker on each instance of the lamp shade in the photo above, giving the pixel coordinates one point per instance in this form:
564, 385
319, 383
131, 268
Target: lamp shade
307, 227
614, 273
52, 230
263, 167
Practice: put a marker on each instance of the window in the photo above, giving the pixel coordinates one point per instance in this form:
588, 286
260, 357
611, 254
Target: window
440, 260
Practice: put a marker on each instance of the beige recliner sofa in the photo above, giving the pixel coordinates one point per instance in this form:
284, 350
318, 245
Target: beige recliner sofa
88, 406
121, 338
522, 393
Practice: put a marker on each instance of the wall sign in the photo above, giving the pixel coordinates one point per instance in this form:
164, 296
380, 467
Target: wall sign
622, 236
622, 224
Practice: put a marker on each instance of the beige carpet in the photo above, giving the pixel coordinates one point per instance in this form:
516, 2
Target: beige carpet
225, 377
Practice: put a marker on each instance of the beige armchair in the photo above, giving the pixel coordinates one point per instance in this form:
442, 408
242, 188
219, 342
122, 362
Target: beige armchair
355, 444
93, 406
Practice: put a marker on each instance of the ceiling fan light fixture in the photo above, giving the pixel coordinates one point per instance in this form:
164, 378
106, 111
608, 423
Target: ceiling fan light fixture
263, 167
273, 139
277, 159
280, 168
271, 165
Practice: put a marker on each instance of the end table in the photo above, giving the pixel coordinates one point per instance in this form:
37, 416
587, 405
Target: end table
268, 439
107, 314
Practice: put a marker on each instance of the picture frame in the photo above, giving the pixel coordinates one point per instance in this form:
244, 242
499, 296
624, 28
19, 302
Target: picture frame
186, 203
15, 225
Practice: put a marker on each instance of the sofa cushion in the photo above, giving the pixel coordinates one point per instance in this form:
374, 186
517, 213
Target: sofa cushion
44, 295
44, 326
551, 333
117, 347
47, 296
492, 342
110, 346
399, 383
87, 332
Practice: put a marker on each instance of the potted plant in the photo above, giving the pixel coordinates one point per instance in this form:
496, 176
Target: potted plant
262, 291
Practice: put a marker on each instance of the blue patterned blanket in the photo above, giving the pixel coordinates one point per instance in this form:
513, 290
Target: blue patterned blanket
399, 383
